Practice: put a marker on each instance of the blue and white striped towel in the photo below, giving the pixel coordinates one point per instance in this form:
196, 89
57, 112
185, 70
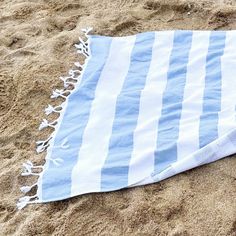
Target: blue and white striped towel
145, 108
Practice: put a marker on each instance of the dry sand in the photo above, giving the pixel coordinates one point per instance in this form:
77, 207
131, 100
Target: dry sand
36, 47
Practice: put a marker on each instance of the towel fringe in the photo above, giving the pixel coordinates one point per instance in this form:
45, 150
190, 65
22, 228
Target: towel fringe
69, 82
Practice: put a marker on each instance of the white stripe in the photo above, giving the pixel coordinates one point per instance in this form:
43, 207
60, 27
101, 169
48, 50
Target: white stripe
228, 94
86, 175
145, 134
188, 141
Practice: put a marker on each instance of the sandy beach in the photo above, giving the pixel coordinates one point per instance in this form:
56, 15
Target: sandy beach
36, 47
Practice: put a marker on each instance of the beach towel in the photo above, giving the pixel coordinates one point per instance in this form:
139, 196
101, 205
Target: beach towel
141, 109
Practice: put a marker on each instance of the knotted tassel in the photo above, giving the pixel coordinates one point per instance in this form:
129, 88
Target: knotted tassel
29, 173
79, 46
77, 64
49, 109
41, 148
21, 205
42, 145
26, 189
87, 30
58, 93
23, 201
46, 124
64, 79
27, 166
72, 73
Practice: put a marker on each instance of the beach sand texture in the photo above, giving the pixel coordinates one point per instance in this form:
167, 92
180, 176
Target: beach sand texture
36, 47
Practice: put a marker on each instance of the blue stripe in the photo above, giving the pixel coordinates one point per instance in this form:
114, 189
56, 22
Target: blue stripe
168, 128
208, 130
56, 181
114, 173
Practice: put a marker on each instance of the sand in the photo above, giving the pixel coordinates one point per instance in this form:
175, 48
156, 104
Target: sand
36, 47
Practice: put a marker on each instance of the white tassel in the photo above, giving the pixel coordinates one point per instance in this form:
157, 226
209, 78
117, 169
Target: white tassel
21, 205
28, 166
66, 84
26, 173
49, 109
29, 173
26, 189
42, 142
55, 94
58, 93
72, 73
78, 65
87, 30
46, 124
28, 162
79, 46
42, 145
23, 201
41, 148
